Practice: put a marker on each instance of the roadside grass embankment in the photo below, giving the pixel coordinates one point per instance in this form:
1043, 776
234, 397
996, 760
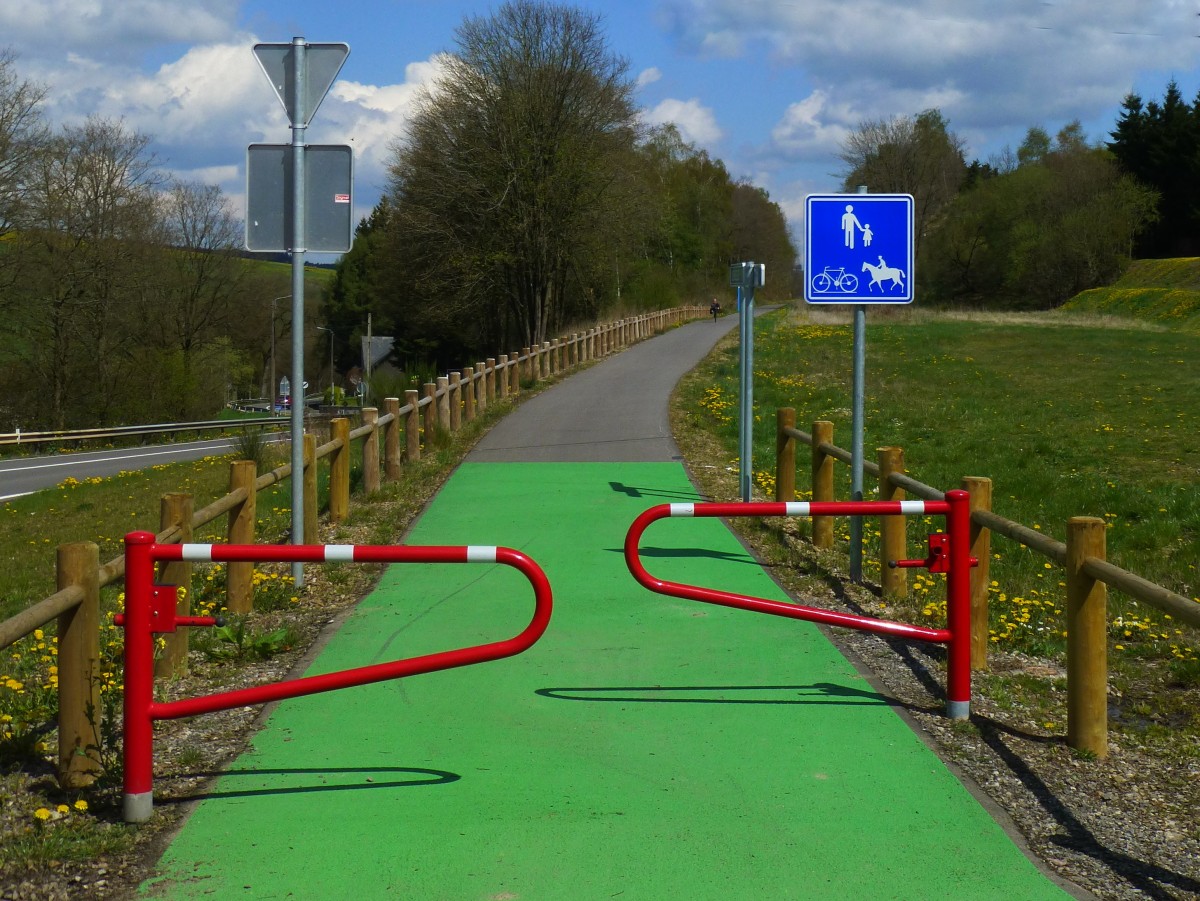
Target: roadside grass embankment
1164, 292
1066, 419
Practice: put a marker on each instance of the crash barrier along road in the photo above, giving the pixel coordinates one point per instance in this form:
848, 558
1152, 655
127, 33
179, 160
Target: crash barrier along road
150, 609
949, 553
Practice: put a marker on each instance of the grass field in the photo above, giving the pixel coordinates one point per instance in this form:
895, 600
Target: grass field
1067, 419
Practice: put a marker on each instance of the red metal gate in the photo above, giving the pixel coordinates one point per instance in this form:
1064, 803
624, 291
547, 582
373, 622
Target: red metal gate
150, 608
949, 553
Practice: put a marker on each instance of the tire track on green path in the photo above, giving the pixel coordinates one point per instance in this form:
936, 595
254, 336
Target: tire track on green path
645, 748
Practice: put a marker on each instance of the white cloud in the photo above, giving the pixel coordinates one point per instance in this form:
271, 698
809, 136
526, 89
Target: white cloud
814, 127
696, 123
992, 68
114, 30
649, 76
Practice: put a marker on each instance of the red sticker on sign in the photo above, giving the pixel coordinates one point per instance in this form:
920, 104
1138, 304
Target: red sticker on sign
341, 198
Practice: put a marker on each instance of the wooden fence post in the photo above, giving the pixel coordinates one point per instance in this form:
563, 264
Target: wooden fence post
502, 376
456, 405
514, 374
339, 470
980, 491
468, 394
391, 440
175, 511
893, 544
79, 667
412, 426
822, 482
1087, 644
370, 451
239, 529
310, 488
429, 412
785, 455
481, 392
443, 404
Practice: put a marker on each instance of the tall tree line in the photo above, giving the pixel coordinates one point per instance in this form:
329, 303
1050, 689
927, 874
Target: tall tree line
1158, 143
1030, 229
527, 196
123, 297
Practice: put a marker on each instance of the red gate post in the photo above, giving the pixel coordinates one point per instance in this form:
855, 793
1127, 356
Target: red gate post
139, 679
958, 606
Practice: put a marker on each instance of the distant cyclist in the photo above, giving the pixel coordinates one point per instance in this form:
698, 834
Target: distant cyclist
714, 308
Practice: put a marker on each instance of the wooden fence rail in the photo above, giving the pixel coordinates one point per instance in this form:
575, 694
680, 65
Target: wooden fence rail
448, 404
1088, 573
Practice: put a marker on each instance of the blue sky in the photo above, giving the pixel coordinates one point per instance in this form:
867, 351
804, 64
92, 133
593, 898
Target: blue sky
770, 87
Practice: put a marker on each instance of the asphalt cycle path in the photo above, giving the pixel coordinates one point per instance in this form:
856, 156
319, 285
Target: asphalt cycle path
645, 748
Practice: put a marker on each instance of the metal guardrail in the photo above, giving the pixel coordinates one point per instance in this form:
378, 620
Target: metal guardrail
12, 439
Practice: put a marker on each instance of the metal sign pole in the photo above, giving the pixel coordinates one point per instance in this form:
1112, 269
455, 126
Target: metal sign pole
746, 387
856, 448
857, 418
299, 127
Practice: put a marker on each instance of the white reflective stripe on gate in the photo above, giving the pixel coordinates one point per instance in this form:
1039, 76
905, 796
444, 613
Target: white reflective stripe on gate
683, 509
197, 553
912, 507
338, 553
477, 553
798, 508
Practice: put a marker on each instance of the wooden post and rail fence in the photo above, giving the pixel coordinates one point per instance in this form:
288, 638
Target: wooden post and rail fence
1088, 573
439, 410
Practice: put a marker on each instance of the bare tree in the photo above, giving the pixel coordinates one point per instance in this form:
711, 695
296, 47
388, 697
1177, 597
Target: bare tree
22, 136
916, 155
86, 231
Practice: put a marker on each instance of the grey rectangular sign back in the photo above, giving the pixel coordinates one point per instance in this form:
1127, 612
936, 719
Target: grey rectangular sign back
328, 198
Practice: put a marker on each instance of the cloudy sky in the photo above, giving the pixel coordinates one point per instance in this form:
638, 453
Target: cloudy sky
771, 87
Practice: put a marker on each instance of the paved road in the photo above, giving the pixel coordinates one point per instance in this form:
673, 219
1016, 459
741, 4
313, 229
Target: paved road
24, 475
616, 411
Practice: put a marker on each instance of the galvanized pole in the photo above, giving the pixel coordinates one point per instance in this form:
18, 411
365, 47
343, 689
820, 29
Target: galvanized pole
746, 401
299, 126
856, 427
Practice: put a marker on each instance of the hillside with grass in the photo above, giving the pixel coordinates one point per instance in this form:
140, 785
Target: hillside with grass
1161, 291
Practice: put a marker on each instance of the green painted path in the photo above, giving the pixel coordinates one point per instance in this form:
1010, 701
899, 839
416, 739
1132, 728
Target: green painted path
645, 748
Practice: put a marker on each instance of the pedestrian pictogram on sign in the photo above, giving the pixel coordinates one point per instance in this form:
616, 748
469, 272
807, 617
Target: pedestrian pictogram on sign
858, 248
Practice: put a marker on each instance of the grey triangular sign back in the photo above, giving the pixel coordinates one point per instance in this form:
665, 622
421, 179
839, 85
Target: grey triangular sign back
322, 63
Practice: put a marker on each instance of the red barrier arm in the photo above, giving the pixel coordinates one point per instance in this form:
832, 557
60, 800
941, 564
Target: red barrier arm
763, 605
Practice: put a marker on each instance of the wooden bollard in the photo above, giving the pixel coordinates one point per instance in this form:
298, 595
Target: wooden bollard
412, 426
481, 395
822, 482
456, 401
468, 396
443, 404
1087, 646
980, 491
391, 440
311, 535
785, 455
175, 511
339, 470
370, 451
79, 667
892, 529
429, 424
239, 529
